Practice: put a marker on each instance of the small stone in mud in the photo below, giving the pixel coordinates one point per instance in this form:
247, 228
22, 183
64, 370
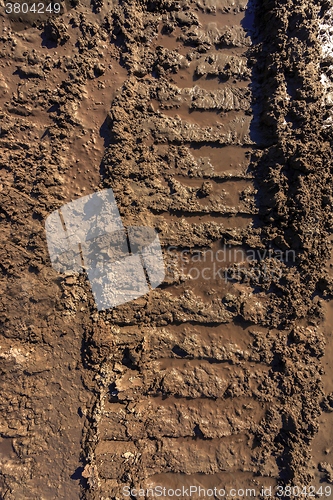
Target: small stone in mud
99, 69
70, 281
328, 470
205, 190
29, 72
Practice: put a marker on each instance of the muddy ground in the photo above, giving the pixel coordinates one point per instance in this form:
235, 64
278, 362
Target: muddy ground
209, 120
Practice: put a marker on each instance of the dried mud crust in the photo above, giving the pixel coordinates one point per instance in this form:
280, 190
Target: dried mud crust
202, 382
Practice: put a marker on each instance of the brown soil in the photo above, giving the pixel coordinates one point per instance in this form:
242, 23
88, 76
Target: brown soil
207, 123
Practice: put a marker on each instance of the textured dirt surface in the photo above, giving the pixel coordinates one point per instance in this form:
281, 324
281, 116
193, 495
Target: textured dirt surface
210, 120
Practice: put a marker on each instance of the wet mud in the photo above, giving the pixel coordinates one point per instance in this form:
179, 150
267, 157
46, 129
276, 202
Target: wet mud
210, 121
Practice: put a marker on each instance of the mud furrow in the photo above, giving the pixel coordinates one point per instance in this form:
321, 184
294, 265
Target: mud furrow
142, 367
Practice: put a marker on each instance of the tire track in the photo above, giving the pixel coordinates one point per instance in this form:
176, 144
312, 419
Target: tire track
144, 363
